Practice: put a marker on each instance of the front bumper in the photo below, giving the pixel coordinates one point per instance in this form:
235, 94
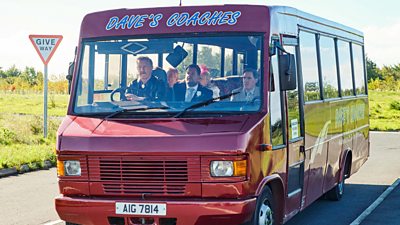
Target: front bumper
98, 211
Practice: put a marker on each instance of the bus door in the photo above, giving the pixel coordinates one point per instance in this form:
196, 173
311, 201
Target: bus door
294, 138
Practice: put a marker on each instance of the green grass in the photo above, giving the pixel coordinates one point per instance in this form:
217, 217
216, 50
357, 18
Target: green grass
22, 141
384, 110
21, 129
32, 104
33, 155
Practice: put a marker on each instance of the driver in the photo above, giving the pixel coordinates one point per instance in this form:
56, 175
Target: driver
146, 86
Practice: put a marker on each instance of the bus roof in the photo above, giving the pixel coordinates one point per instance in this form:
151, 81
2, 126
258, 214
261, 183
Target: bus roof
167, 20
287, 20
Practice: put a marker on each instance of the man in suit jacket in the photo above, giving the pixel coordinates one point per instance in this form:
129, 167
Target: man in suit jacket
191, 90
249, 91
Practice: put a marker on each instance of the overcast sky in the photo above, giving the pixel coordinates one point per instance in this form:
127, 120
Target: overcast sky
379, 20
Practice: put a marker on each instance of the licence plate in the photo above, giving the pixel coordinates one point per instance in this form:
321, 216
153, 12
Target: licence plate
140, 209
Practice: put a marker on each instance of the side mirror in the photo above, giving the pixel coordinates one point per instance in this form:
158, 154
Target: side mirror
287, 72
177, 56
69, 76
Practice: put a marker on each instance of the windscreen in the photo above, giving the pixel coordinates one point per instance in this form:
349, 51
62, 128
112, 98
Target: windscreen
166, 77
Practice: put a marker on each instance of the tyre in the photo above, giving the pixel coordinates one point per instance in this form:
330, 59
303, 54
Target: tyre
264, 213
336, 193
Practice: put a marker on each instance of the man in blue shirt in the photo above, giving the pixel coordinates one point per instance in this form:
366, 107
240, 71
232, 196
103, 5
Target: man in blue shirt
147, 86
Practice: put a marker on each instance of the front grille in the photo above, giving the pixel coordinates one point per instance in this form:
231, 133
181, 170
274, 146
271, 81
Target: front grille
143, 171
171, 189
144, 175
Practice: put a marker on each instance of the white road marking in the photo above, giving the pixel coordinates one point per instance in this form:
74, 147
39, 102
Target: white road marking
376, 203
384, 132
54, 222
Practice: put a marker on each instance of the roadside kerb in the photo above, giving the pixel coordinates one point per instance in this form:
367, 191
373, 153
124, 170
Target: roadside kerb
8, 172
24, 169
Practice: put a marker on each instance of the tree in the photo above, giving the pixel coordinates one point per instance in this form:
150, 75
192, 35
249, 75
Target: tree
30, 76
391, 71
373, 72
2, 73
13, 72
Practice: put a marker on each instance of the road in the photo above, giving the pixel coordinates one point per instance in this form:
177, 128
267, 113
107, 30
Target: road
28, 198
362, 189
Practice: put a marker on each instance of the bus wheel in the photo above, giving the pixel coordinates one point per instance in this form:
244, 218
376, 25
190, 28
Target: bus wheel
264, 214
336, 193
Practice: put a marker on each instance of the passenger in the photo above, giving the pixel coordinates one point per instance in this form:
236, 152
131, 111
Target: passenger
206, 81
191, 90
147, 86
249, 91
172, 78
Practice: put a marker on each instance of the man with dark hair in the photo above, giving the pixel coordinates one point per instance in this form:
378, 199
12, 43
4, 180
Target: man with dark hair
191, 90
146, 86
249, 91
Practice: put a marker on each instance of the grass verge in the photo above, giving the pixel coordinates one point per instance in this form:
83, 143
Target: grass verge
22, 142
384, 110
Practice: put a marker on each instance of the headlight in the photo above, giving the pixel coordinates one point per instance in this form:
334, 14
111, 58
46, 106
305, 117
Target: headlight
221, 168
228, 168
72, 168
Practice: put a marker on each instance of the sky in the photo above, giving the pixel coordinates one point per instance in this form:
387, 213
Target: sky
378, 20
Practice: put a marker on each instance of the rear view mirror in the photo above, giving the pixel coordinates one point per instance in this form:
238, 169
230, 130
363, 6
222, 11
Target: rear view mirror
69, 76
176, 57
287, 72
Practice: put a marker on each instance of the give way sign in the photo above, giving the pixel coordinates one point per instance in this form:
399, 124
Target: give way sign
45, 45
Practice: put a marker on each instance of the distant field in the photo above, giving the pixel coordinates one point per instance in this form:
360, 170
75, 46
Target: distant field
32, 104
21, 121
384, 110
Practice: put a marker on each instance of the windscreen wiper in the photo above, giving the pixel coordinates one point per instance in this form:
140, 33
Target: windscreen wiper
205, 103
133, 110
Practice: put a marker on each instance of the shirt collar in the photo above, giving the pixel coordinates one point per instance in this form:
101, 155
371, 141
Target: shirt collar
194, 87
250, 91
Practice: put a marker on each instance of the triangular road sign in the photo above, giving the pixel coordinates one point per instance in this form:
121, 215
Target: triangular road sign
45, 45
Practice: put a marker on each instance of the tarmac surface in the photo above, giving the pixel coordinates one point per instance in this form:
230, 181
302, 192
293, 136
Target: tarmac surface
387, 212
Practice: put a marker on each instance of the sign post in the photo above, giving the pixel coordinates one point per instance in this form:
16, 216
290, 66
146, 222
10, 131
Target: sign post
45, 46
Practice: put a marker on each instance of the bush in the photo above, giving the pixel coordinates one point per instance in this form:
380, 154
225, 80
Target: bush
7, 137
395, 105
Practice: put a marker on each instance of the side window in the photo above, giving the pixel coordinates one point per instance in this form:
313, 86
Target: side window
308, 53
293, 105
276, 107
82, 96
240, 63
228, 62
114, 71
328, 67
358, 62
346, 78
210, 56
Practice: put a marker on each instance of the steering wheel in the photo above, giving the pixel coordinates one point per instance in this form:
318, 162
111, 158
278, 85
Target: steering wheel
121, 91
